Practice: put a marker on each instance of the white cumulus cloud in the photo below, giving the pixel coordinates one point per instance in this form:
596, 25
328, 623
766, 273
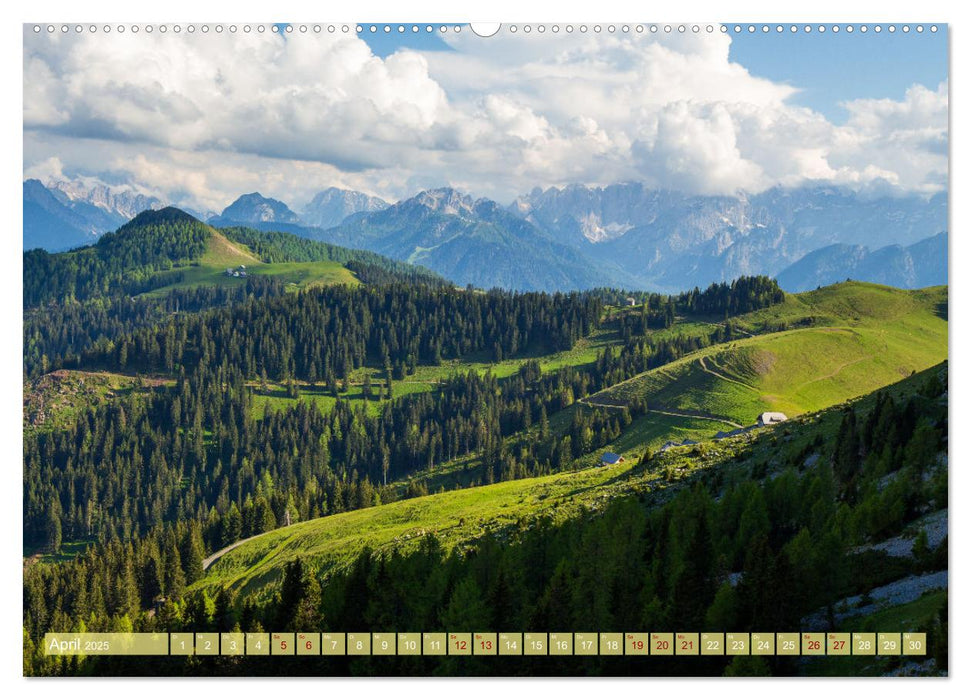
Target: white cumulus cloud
198, 119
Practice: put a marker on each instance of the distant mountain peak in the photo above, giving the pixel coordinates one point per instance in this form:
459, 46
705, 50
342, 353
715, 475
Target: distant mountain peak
341, 192
331, 206
445, 200
254, 197
254, 207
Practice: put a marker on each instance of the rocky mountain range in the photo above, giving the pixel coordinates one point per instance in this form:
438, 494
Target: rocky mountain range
632, 236
668, 240
470, 241
578, 237
120, 201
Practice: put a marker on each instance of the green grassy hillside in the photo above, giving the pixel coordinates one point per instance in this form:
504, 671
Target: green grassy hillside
849, 302
222, 254
869, 336
454, 517
159, 251
464, 515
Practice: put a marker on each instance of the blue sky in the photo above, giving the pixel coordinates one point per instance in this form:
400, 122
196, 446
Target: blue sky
833, 68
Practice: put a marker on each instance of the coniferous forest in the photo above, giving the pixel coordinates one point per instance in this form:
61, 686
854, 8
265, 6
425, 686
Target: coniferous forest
126, 498
635, 565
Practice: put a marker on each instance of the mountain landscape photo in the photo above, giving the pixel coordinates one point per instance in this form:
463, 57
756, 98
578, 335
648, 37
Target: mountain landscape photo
330, 341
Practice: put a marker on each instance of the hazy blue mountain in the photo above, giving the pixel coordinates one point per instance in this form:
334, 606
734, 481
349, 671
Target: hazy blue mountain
922, 264
254, 208
669, 241
201, 214
330, 207
62, 215
473, 242
930, 258
49, 223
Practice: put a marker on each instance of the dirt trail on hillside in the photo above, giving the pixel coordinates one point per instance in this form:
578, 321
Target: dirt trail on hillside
210, 560
700, 416
834, 372
666, 412
704, 368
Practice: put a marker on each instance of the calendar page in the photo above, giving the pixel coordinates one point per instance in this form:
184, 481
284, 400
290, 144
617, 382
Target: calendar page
521, 349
